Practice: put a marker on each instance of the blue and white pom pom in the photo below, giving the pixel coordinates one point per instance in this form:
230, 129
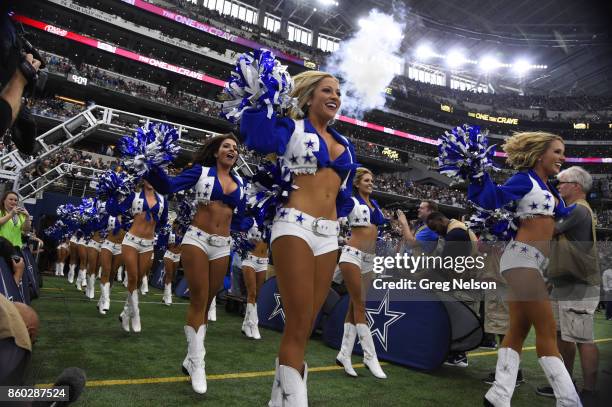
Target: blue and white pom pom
258, 80
152, 146
465, 154
493, 225
112, 183
184, 214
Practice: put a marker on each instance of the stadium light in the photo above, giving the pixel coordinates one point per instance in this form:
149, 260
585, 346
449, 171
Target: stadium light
328, 2
424, 52
455, 59
488, 64
521, 66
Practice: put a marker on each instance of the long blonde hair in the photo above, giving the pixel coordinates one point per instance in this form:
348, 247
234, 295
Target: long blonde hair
525, 148
304, 86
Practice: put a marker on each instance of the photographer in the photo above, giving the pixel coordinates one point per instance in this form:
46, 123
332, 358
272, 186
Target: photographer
18, 76
14, 220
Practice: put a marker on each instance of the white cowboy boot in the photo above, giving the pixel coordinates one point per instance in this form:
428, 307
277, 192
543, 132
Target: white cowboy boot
193, 365
101, 300
135, 315
560, 381
346, 349
254, 321
246, 323
369, 351
167, 299
120, 274
91, 286
71, 273
105, 297
126, 314
294, 392
61, 269
500, 393
99, 272
56, 269
144, 286
212, 311
276, 398
80, 281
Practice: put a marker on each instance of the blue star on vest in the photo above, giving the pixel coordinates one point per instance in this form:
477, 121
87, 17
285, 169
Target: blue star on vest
299, 218
534, 205
547, 206
199, 234
547, 196
307, 158
207, 185
524, 249
309, 144
537, 255
513, 246
283, 213
382, 317
278, 309
293, 159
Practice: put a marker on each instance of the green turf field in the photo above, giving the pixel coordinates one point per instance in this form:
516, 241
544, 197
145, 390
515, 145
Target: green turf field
144, 369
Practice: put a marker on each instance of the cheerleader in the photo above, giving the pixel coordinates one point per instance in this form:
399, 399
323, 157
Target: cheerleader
74, 256
81, 280
304, 234
149, 210
205, 248
62, 256
172, 257
254, 267
356, 263
534, 204
110, 258
93, 247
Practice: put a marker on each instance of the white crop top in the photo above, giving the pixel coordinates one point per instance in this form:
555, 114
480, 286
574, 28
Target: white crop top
536, 202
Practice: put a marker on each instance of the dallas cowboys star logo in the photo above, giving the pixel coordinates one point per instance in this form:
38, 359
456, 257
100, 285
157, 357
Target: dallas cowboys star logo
534, 205
283, 213
382, 315
299, 218
278, 309
547, 196
293, 159
547, 206
524, 249
307, 158
309, 144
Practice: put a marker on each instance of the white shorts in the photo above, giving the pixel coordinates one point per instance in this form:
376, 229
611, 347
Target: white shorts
138, 243
320, 234
62, 246
114, 248
94, 245
173, 257
74, 239
258, 264
82, 241
522, 255
214, 246
365, 261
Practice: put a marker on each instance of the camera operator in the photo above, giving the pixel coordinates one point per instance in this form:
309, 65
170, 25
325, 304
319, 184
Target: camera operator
19, 76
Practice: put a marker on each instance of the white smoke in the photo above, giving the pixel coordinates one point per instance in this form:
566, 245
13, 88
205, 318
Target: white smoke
367, 62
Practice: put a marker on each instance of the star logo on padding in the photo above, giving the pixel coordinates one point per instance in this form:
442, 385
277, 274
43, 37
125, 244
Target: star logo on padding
381, 318
278, 309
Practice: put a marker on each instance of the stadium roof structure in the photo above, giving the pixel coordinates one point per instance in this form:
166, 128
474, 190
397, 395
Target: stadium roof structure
573, 38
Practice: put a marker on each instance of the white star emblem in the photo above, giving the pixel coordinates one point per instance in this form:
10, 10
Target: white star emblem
382, 312
278, 309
